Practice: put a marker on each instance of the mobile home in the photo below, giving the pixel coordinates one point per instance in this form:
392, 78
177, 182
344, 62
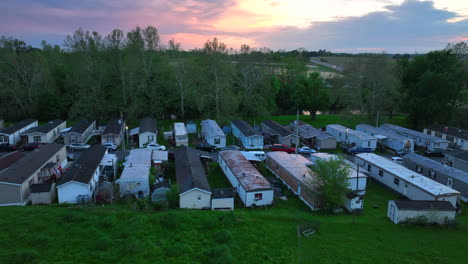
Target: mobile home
247, 135
47, 133
180, 134
352, 137
12, 134
252, 188
314, 137
420, 139
80, 132
212, 133
147, 132
457, 137
387, 138
279, 133
404, 181
433, 211
135, 176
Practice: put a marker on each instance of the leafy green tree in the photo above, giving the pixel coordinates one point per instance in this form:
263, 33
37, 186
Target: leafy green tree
331, 181
311, 94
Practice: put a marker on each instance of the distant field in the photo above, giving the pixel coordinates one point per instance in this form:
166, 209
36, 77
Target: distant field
124, 234
344, 62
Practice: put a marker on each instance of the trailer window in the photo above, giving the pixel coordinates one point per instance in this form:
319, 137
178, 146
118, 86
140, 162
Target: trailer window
258, 196
217, 141
396, 181
381, 173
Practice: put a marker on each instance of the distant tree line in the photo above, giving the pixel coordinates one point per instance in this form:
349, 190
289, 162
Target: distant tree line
100, 76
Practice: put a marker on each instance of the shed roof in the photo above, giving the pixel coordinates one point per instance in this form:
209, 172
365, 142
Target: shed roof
25, 167
190, 172
85, 166
17, 126
349, 131
44, 129
159, 155
10, 159
180, 129
452, 131
148, 124
417, 205
382, 132
137, 166
222, 193
41, 187
81, 126
114, 126
211, 127
244, 171
437, 166
277, 128
246, 128
407, 175
413, 133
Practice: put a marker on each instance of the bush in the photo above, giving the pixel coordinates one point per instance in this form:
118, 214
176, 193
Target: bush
158, 206
173, 196
168, 221
223, 237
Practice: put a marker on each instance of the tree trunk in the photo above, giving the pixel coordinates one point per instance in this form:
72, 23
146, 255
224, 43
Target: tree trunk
313, 114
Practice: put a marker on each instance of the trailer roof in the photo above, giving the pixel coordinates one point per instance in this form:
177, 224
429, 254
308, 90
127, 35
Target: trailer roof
413, 133
407, 175
452, 131
16, 126
44, 129
277, 128
179, 129
349, 131
382, 132
308, 131
294, 163
211, 127
244, 171
437, 166
245, 128
137, 166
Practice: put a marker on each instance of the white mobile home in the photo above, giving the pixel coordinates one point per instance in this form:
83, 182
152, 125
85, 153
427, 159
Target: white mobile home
252, 188
180, 134
314, 137
405, 181
420, 139
433, 211
147, 132
248, 136
135, 176
12, 134
80, 132
456, 136
352, 137
212, 133
195, 191
387, 138
47, 133
82, 178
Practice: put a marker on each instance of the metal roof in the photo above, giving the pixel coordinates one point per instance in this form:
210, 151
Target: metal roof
352, 167
349, 131
244, 171
10, 159
222, 193
190, 172
137, 166
17, 126
84, 167
114, 126
179, 129
277, 128
437, 166
424, 205
44, 129
210, 127
412, 132
245, 128
452, 131
41, 187
148, 124
295, 164
407, 175
458, 153
380, 131
81, 126
25, 167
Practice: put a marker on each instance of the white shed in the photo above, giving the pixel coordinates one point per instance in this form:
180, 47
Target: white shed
433, 211
212, 133
354, 202
222, 199
352, 137
252, 188
180, 134
404, 181
135, 176
43, 193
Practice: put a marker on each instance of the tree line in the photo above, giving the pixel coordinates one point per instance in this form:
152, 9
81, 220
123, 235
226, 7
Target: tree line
97, 76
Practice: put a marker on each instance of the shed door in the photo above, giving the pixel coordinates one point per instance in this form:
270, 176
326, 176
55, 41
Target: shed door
405, 189
392, 213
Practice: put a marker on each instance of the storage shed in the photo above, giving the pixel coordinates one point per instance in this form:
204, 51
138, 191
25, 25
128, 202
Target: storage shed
222, 199
405, 181
180, 134
352, 137
438, 172
135, 176
212, 133
420, 139
43, 193
278, 133
388, 138
247, 135
252, 188
191, 127
433, 211
354, 202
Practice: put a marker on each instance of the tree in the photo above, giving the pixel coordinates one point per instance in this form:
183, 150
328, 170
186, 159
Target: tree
331, 182
311, 94
434, 87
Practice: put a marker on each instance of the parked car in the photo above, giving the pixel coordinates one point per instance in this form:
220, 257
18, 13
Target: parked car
397, 160
254, 155
78, 146
281, 147
232, 147
110, 146
354, 151
156, 146
205, 147
7, 147
29, 146
430, 153
305, 150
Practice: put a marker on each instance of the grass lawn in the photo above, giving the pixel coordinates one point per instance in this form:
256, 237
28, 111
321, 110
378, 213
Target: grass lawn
216, 177
122, 234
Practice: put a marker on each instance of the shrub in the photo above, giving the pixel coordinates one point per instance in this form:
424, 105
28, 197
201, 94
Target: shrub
223, 237
173, 196
158, 206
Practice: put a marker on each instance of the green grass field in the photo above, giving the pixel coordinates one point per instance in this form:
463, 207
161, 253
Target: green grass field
123, 234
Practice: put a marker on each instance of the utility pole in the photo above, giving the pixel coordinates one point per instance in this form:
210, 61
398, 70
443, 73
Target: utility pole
297, 130
122, 136
377, 119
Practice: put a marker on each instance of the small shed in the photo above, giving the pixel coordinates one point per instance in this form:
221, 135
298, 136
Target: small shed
160, 191
222, 199
104, 193
191, 127
433, 211
158, 157
43, 193
354, 202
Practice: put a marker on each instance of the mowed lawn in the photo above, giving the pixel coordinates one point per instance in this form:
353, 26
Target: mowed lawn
124, 234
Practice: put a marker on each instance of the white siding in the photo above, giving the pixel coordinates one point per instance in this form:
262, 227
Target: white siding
354, 204
143, 138
69, 192
222, 203
195, 199
433, 216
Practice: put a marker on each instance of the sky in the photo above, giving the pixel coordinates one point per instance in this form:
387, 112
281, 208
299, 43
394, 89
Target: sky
354, 26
